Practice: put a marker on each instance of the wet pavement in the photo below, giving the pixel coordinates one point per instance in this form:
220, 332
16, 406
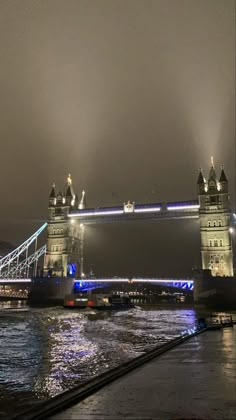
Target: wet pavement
196, 380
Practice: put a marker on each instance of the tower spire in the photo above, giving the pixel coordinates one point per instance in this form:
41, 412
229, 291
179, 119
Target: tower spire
223, 177
53, 192
201, 183
212, 181
52, 195
223, 180
69, 180
69, 191
200, 178
82, 204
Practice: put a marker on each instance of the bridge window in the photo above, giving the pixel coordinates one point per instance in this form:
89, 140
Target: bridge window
210, 243
214, 223
214, 199
56, 248
209, 224
220, 223
215, 242
58, 212
221, 242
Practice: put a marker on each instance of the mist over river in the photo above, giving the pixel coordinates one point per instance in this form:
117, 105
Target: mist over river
45, 351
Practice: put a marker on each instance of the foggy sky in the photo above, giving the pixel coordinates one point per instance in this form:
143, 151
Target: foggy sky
131, 97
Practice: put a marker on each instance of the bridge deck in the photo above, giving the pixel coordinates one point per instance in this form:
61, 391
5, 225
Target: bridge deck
153, 211
194, 380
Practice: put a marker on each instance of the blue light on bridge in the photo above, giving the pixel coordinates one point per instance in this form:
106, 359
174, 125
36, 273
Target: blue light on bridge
90, 284
71, 270
83, 286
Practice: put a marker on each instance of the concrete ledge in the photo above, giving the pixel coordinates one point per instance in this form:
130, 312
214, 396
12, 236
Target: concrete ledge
45, 409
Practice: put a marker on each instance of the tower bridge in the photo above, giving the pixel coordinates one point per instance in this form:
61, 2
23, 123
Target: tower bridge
68, 216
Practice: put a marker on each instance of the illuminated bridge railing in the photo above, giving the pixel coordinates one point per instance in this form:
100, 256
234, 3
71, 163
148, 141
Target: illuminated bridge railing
174, 210
14, 281
16, 253
22, 269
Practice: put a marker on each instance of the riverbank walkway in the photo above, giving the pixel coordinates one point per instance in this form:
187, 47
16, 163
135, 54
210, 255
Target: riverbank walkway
195, 380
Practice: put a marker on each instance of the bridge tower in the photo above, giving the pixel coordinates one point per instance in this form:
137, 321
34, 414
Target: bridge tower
215, 223
64, 239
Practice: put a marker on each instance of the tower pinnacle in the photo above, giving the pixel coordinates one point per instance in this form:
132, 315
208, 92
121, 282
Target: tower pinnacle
212, 175
53, 192
223, 176
201, 183
82, 204
69, 190
69, 180
200, 177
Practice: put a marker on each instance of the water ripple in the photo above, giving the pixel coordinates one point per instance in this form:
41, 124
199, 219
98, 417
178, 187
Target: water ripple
46, 351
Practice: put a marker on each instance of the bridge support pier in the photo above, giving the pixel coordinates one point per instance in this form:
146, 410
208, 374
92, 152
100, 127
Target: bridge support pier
212, 291
50, 291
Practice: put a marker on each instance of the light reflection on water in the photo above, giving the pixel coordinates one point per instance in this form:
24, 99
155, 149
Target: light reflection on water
46, 351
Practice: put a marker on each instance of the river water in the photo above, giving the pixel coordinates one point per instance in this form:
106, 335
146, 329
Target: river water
44, 352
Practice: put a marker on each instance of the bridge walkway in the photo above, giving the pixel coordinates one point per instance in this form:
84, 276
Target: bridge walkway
196, 379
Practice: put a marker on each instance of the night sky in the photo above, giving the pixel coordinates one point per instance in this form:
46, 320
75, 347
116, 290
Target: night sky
131, 97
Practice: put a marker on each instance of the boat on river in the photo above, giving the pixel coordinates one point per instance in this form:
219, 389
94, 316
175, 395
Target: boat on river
100, 301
